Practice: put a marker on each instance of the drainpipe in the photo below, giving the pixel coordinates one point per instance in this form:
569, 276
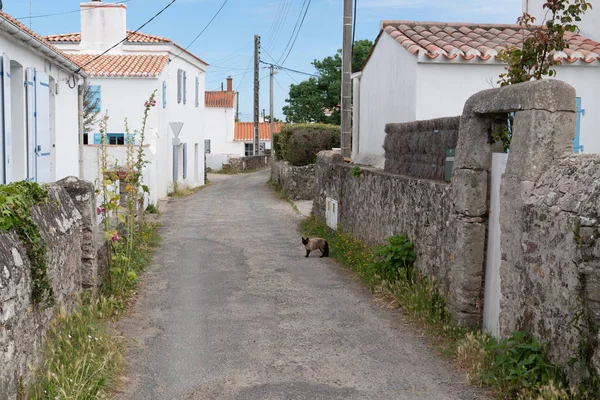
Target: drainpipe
80, 95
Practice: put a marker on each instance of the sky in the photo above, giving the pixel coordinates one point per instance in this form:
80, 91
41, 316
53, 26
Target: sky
228, 43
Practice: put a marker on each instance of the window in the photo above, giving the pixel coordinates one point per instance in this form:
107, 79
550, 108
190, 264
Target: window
197, 92
95, 92
249, 147
179, 85
207, 146
577, 147
115, 139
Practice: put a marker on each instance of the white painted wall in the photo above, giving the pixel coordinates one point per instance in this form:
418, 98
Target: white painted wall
387, 94
102, 25
589, 24
66, 118
443, 88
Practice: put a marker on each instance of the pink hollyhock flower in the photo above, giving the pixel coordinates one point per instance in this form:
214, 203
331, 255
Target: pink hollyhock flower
115, 237
146, 103
153, 103
100, 210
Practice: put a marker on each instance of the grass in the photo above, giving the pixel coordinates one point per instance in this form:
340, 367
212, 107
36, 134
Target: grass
81, 352
180, 191
514, 368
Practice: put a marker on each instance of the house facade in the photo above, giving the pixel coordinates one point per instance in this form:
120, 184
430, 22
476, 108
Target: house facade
39, 98
123, 79
224, 137
419, 71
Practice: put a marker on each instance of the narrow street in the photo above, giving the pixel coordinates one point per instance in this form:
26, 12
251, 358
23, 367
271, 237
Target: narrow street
231, 309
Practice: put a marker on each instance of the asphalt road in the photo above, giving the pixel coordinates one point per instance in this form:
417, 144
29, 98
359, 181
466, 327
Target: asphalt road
231, 309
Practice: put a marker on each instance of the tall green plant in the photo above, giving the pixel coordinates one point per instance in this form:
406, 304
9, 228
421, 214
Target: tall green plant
395, 260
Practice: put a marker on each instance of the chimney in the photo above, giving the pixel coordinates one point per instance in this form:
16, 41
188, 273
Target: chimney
230, 84
102, 25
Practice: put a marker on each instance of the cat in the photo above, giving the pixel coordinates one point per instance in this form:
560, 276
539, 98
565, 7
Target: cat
314, 244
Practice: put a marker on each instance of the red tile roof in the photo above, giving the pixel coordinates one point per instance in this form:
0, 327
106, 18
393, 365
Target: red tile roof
477, 41
137, 37
219, 99
34, 35
122, 65
244, 131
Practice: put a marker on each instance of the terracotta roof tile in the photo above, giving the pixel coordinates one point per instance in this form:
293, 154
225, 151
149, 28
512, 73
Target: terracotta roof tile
477, 41
33, 34
137, 37
244, 131
110, 65
220, 99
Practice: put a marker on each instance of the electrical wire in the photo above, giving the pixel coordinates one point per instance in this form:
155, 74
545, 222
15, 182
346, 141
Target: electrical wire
67, 12
276, 20
289, 69
293, 32
245, 73
297, 33
202, 31
127, 37
283, 20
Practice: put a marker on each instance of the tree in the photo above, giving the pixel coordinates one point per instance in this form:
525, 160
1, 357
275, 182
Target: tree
317, 99
91, 109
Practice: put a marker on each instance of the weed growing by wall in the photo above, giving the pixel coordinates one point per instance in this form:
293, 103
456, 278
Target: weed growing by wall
16, 200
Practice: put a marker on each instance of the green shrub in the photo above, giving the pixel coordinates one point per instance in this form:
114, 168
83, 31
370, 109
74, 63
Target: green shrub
395, 260
275, 145
299, 144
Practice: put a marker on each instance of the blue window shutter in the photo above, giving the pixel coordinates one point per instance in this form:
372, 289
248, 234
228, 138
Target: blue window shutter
96, 91
164, 94
184, 87
97, 138
179, 85
578, 148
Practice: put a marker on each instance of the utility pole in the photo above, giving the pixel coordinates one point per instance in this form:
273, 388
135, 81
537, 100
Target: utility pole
256, 93
271, 129
346, 84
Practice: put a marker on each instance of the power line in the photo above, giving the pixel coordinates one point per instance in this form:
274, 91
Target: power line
286, 13
293, 32
128, 36
289, 69
66, 12
287, 73
297, 33
245, 73
202, 31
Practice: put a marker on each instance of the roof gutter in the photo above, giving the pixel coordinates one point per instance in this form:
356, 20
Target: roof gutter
9, 27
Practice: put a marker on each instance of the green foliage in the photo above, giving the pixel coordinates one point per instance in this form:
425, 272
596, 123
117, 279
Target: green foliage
534, 59
81, 357
309, 100
503, 132
519, 365
299, 144
276, 149
152, 209
395, 260
81, 352
16, 200
356, 171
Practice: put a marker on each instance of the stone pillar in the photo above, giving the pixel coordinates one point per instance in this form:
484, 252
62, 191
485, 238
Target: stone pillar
83, 195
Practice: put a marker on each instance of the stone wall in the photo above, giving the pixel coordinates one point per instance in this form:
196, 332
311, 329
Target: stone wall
377, 205
549, 219
250, 163
70, 268
298, 183
418, 149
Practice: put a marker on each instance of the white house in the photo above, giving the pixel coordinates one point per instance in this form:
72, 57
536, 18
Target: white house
39, 125
424, 70
124, 78
224, 137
